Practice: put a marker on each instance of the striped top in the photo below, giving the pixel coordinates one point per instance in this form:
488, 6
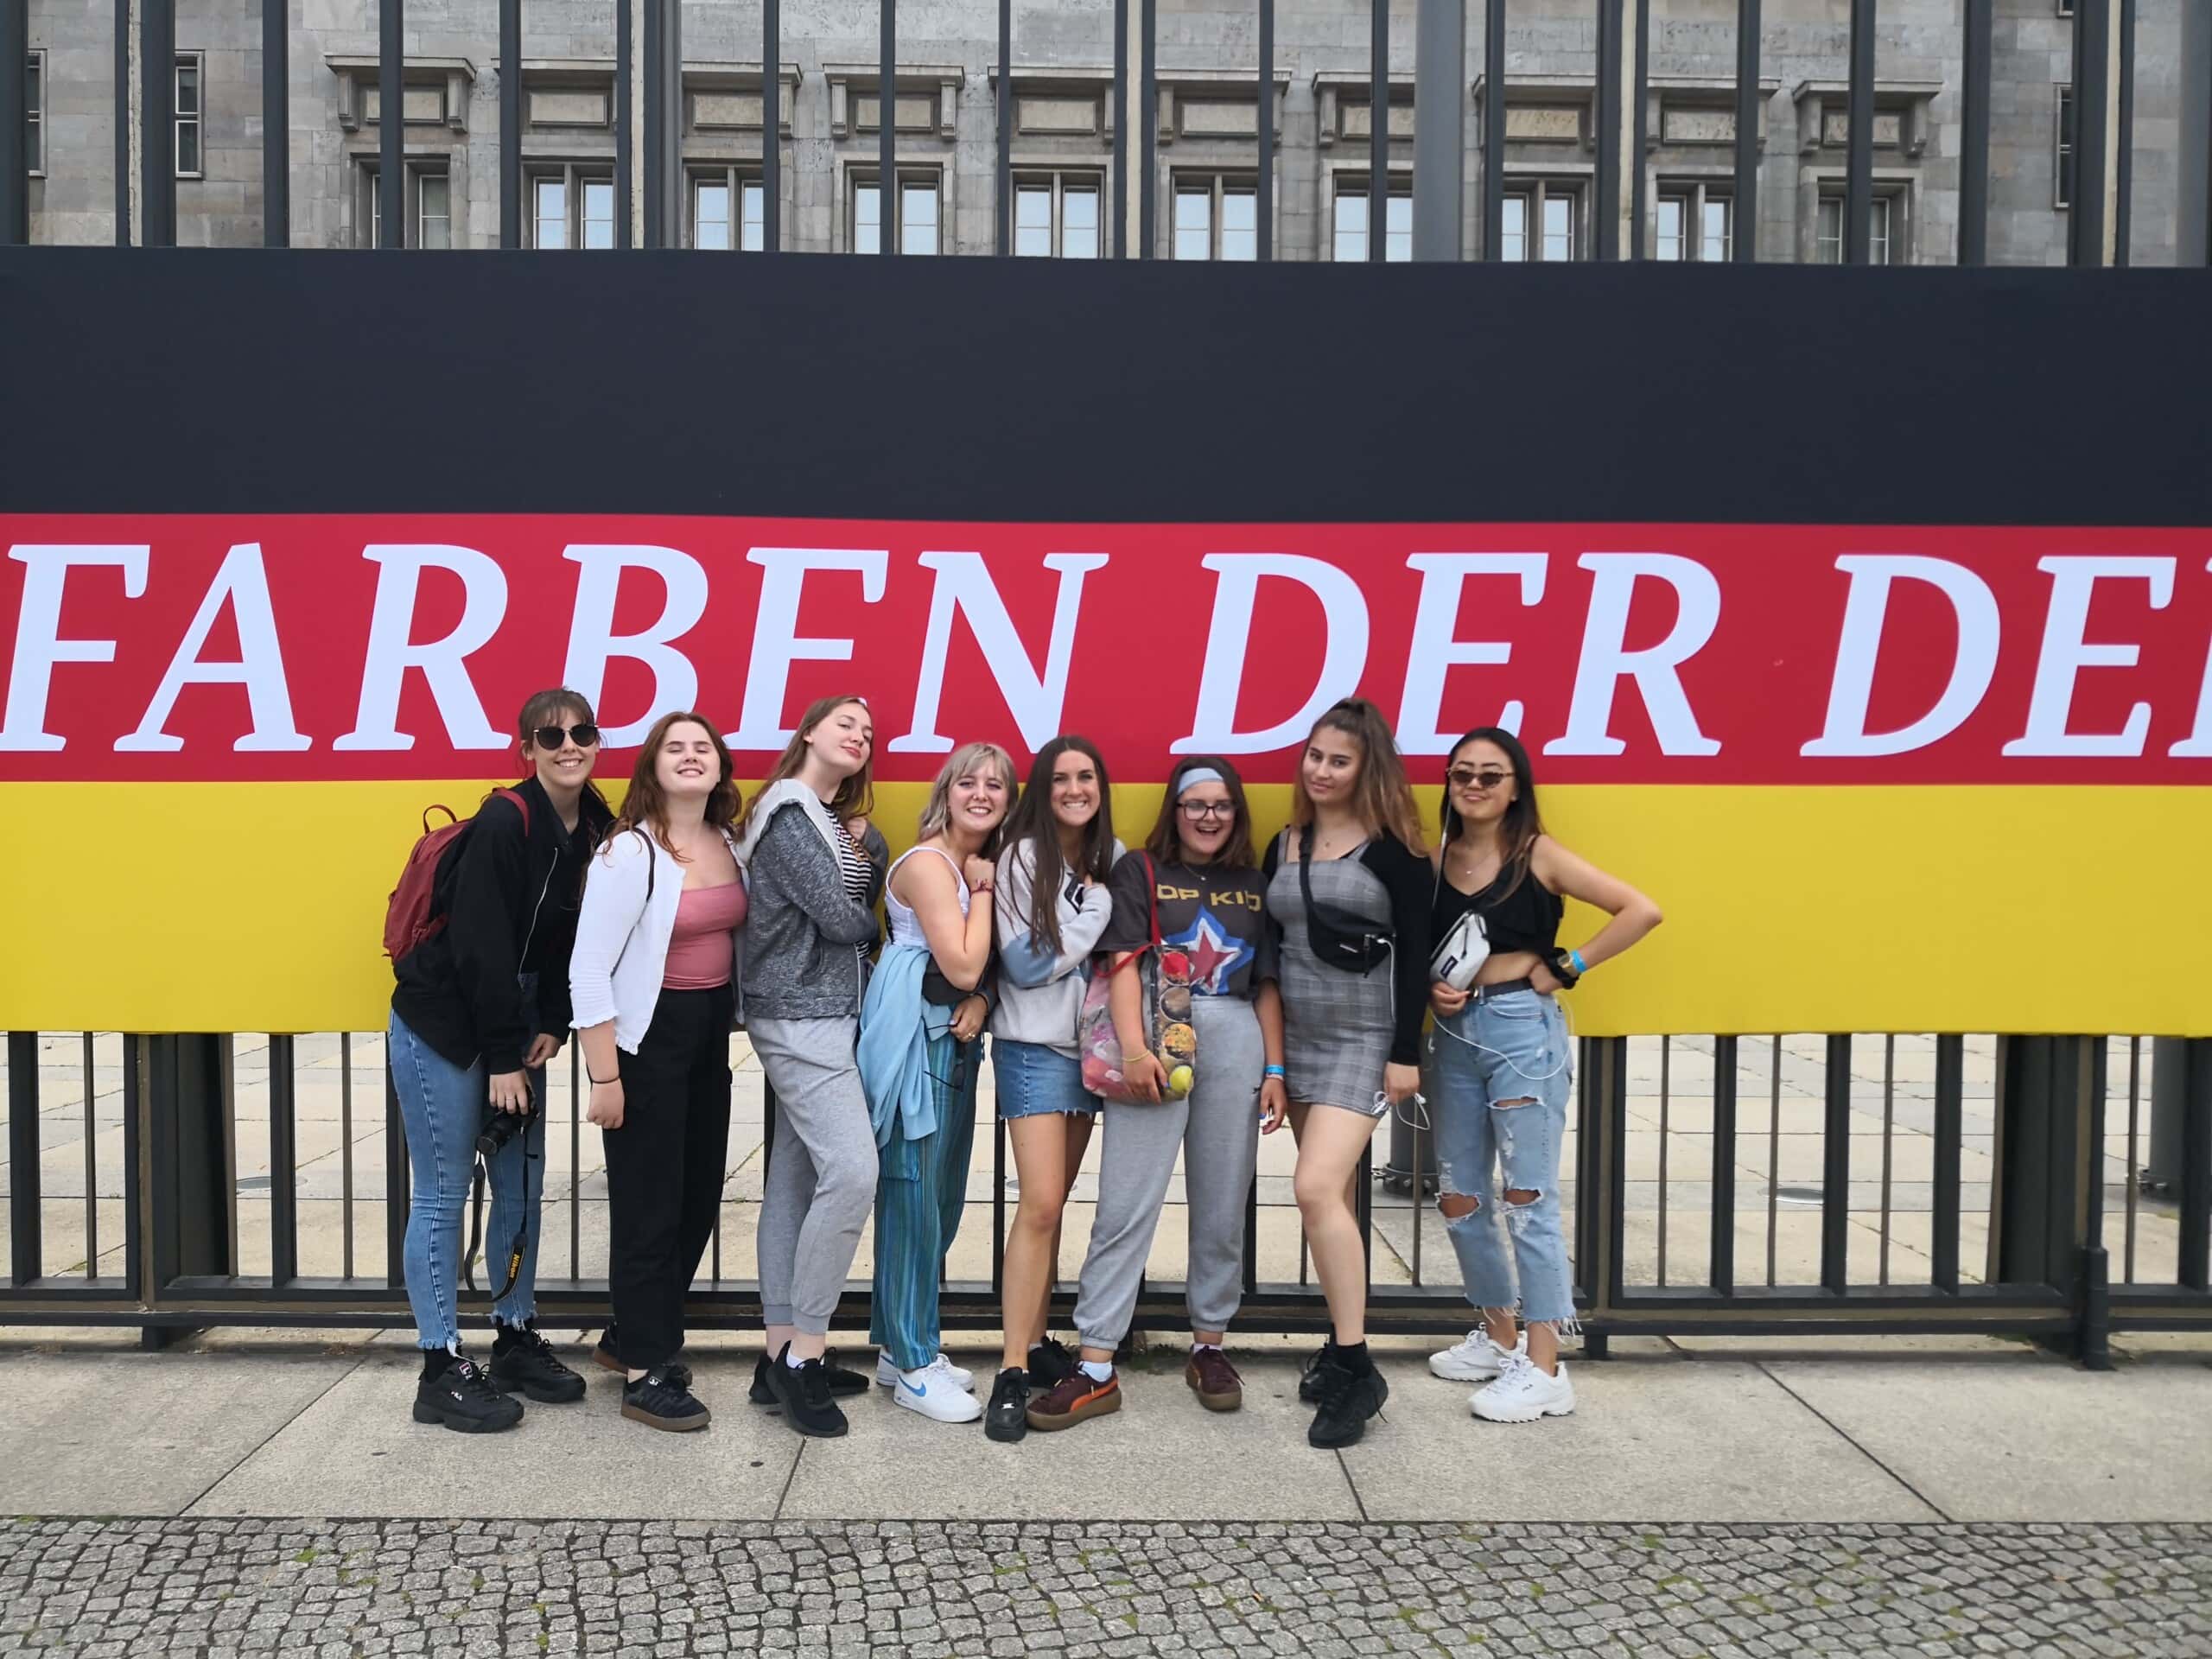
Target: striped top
853, 865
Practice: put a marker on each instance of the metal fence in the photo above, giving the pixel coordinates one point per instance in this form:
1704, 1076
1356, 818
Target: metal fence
1792, 1183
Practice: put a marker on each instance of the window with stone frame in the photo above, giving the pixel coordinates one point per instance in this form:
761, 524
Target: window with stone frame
1886, 228
570, 205
1217, 216
1543, 222
2062, 189
1348, 218
919, 227
190, 88
428, 212
1692, 220
35, 114
1055, 213
728, 209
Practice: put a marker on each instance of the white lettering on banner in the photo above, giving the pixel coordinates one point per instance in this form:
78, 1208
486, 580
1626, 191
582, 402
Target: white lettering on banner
776, 644
2065, 653
963, 584
39, 644
1434, 651
241, 584
1860, 647
2198, 744
1605, 660
1343, 613
593, 642
443, 662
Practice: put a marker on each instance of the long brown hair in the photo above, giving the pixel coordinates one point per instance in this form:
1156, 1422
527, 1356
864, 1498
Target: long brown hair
1518, 830
646, 807
856, 796
1165, 846
1382, 799
1031, 821
546, 707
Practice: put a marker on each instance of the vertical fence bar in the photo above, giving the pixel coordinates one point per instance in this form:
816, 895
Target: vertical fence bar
890, 216
2123, 208
345, 1148
1835, 1167
226, 1071
1721, 1223
157, 123
664, 121
2091, 144
1639, 128
1745, 243
1858, 182
1005, 215
1120, 128
1773, 1153
1252, 1223
1378, 185
575, 1158
1666, 1087
284, 1162
625, 117
1978, 49
998, 1205
121, 113
391, 123
1417, 1191
771, 128
1147, 129
92, 1166
1950, 1126
1494, 130
511, 126
2193, 1269
24, 1243
1889, 1126
2131, 1197
1263, 203
276, 123
1608, 208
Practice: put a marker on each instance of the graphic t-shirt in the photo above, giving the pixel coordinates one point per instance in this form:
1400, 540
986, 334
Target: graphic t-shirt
1215, 914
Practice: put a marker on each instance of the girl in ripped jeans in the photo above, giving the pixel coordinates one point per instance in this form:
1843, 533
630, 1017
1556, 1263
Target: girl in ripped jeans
1500, 1067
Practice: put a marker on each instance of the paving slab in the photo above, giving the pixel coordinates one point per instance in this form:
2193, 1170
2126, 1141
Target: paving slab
1651, 1438
358, 1452
93, 1433
2007, 1438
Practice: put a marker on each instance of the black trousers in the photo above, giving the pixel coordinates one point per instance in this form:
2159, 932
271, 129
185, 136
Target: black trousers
664, 1169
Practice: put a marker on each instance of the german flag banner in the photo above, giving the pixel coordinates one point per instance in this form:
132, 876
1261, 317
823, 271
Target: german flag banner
1880, 777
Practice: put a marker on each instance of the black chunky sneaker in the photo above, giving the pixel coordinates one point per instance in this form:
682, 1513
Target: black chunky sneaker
659, 1400
605, 1357
804, 1393
1049, 1363
1006, 1418
460, 1395
523, 1363
840, 1381
1352, 1391
1309, 1379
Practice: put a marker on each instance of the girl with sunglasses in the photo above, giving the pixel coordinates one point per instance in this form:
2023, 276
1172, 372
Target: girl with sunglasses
1500, 1065
478, 1008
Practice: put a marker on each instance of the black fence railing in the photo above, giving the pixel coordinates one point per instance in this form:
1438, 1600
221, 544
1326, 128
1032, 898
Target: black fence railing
2053, 1187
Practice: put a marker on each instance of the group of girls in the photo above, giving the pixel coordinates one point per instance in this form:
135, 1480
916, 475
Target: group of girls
1311, 974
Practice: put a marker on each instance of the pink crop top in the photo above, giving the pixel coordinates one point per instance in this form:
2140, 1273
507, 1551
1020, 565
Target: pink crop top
699, 950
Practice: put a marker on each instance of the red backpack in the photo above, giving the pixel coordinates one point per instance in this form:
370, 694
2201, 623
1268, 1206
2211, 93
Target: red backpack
407, 919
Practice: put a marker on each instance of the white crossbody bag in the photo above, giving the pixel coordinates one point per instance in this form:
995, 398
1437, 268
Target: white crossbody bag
1461, 952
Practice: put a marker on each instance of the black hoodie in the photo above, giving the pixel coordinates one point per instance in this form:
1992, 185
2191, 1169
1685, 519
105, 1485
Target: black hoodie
509, 898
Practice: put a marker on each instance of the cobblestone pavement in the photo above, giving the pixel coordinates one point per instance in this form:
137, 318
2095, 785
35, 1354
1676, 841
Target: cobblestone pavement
341, 1588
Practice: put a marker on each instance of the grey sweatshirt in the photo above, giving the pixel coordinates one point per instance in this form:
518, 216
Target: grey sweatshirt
801, 930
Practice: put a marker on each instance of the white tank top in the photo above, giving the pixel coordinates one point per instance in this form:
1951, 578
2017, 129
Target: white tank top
905, 927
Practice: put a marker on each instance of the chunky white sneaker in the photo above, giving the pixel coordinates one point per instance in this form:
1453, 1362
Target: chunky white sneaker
934, 1394
1476, 1360
1523, 1393
887, 1373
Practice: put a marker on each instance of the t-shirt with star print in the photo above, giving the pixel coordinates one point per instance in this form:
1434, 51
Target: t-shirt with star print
1215, 914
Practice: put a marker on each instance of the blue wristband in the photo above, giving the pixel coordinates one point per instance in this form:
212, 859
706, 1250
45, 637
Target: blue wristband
1580, 967
1274, 1071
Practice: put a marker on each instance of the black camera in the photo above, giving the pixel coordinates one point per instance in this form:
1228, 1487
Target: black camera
499, 1127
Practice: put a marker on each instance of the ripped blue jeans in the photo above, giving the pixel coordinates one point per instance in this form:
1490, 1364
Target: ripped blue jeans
1500, 1075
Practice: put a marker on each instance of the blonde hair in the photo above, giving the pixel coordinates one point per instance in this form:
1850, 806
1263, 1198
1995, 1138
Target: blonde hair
937, 812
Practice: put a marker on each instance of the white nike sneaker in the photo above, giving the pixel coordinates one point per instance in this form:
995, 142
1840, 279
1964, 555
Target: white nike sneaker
1476, 1360
933, 1394
1523, 1393
887, 1372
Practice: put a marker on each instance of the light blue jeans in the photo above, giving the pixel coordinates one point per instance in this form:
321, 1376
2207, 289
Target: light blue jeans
443, 1106
1500, 1075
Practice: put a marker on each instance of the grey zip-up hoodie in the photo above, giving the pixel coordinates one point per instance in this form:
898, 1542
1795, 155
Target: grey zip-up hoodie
802, 931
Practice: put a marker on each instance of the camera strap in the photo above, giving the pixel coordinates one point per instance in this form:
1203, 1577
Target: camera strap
476, 1180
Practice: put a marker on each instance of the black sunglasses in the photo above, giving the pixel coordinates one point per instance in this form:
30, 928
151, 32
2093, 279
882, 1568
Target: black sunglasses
551, 737
1488, 777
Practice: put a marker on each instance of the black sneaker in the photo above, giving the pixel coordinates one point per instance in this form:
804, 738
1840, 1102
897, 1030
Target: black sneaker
1352, 1391
1309, 1379
460, 1396
605, 1357
659, 1400
1049, 1363
523, 1363
1006, 1418
840, 1381
804, 1395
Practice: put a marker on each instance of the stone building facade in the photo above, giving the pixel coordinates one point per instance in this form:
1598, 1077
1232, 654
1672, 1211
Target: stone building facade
1063, 54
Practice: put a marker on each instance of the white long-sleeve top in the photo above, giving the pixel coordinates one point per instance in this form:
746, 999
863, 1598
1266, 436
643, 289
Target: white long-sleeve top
622, 934
1045, 1013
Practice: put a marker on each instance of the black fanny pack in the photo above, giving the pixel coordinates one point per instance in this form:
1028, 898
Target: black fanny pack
1340, 940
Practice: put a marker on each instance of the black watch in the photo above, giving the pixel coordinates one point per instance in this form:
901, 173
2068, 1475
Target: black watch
1562, 967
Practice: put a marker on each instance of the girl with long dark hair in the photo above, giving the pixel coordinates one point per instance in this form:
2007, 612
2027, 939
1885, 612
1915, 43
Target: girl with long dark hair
654, 978
1500, 1061
480, 1007
1051, 908
1349, 891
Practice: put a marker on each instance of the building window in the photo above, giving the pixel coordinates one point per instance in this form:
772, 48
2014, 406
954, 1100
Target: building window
2062, 187
1694, 222
433, 210
571, 207
189, 78
1540, 222
427, 210
727, 210
917, 229
34, 113
1348, 241
1217, 217
1056, 215
1885, 236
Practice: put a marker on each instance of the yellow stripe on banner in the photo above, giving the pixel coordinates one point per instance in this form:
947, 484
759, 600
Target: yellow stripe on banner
260, 907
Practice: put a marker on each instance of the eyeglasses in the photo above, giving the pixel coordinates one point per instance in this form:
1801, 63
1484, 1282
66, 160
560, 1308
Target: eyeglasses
551, 737
1489, 777
1199, 812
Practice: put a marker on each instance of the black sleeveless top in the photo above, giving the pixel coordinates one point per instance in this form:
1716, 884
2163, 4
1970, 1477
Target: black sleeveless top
1524, 918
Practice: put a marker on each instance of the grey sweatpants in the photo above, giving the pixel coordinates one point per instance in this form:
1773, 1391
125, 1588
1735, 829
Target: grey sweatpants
821, 1179
1218, 1131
